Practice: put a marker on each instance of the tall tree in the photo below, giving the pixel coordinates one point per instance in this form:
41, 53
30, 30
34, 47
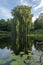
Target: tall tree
23, 22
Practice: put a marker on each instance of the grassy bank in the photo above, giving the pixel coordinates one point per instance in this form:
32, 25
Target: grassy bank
4, 34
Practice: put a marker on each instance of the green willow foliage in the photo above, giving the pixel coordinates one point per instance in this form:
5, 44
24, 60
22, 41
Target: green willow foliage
22, 22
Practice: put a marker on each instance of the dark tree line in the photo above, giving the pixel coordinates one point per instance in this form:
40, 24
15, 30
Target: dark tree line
5, 25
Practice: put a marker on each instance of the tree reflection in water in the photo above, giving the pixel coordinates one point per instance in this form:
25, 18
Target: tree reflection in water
7, 42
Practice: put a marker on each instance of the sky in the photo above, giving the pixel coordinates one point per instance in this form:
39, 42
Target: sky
6, 7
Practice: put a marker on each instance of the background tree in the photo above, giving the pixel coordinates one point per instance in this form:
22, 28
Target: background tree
3, 25
38, 24
9, 22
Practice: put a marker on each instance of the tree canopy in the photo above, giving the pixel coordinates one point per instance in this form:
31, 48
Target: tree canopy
38, 24
22, 18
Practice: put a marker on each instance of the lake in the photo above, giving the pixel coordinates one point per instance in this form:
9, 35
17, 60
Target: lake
7, 48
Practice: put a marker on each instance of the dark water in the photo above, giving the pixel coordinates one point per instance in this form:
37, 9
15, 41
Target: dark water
7, 48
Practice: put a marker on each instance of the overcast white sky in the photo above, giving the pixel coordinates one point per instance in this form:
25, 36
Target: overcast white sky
7, 5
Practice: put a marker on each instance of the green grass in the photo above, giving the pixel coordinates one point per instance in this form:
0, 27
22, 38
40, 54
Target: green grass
35, 36
4, 34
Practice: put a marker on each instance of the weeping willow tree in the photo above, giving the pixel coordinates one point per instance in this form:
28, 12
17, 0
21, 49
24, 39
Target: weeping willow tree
23, 21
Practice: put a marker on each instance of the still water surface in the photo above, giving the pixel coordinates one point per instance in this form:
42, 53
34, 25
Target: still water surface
5, 52
7, 48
